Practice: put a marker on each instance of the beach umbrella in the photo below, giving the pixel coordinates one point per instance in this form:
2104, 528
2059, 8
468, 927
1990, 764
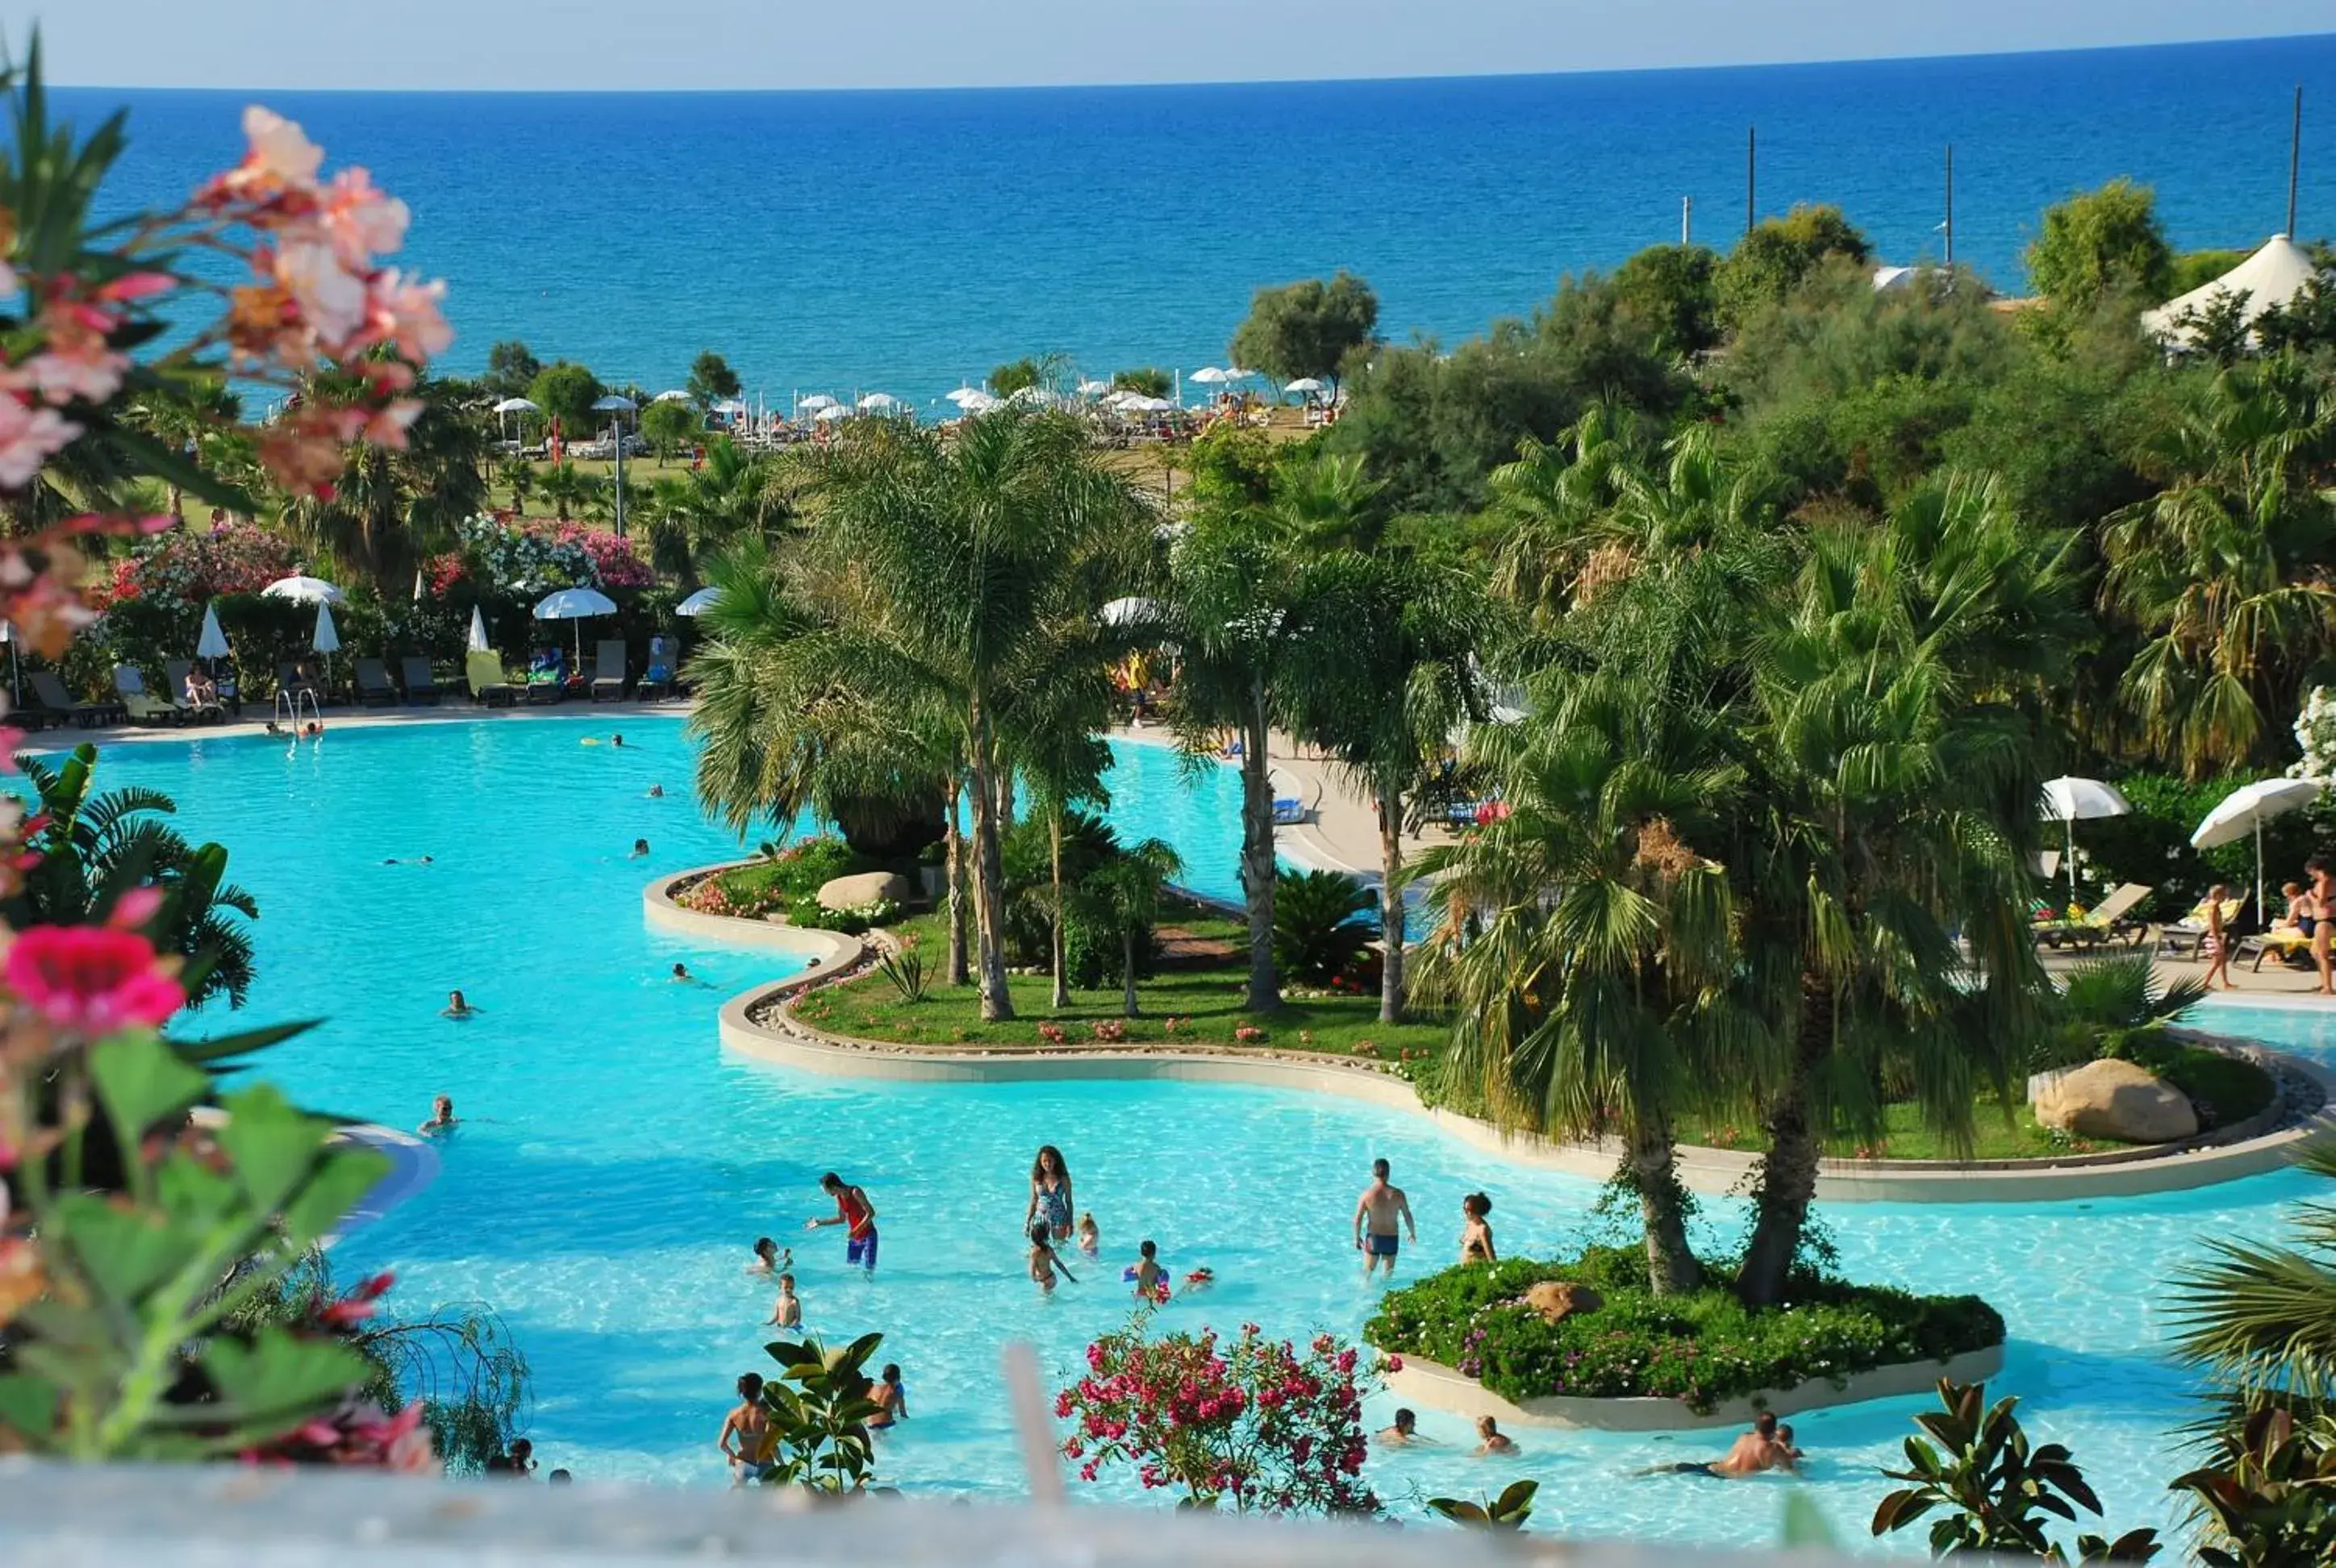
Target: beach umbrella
518, 405
1094, 388
673, 395
1132, 612
831, 414
1210, 375
2245, 810
698, 603
818, 403
730, 406
303, 589
479, 643
212, 642
967, 395
578, 605
613, 404
2070, 801
878, 402
1303, 383
979, 402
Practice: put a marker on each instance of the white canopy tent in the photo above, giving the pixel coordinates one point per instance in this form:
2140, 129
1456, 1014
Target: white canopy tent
2273, 275
2245, 810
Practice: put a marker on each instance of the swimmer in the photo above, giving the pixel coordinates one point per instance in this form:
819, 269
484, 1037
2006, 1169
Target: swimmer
1492, 1443
750, 1423
1788, 1452
786, 1312
561, 1479
442, 1117
1476, 1229
657, 792
891, 1400
1405, 1430
1151, 1278
616, 740
769, 1258
641, 848
1762, 1448
456, 1007
313, 730
1044, 1265
682, 977
1090, 1239
417, 861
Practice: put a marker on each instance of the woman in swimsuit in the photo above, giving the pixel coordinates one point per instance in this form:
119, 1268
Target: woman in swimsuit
1476, 1236
1050, 1193
750, 1424
892, 1401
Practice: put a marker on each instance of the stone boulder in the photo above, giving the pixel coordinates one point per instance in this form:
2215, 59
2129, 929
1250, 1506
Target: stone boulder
2114, 1100
853, 892
1557, 1300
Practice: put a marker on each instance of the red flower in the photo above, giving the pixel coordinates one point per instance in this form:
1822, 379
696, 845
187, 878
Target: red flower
91, 981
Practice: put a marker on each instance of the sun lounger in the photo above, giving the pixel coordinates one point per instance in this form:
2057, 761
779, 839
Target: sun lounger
1293, 802
421, 685
2285, 940
142, 706
547, 677
608, 670
53, 695
484, 670
656, 680
373, 687
2184, 936
2104, 921
174, 680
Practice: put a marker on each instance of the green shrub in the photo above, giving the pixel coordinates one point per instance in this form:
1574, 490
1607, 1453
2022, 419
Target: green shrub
2223, 1089
1702, 1348
1321, 921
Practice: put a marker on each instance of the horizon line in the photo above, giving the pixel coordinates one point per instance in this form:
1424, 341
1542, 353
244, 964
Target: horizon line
1814, 63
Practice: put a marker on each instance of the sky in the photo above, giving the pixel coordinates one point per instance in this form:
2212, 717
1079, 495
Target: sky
540, 44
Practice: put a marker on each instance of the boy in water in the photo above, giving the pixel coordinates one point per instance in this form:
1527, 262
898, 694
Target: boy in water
786, 1312
856, 1214
1151, 1278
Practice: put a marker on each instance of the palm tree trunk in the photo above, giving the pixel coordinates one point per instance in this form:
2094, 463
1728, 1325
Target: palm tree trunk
1391, 911
1058, 954
1004, 799
953, 859
1788, 1174
1128, 1004
1671, 1266
989, 877
1257, 859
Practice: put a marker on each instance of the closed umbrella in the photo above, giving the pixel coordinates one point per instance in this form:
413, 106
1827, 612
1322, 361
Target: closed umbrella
578, 605
2070, 801
2245, 810
478, 629
212, 643
327, 640
301, 589
698, 603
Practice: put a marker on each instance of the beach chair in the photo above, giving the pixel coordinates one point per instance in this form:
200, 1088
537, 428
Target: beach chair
53, 695
1292, 802
2104, 921
2183, 939
421, 685
547, 677
608, 670
142, 706
2285, 940
656, 680
373, 687
174, 683
488, 687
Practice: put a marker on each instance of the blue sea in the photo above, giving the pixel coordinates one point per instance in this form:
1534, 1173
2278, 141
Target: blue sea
907, 241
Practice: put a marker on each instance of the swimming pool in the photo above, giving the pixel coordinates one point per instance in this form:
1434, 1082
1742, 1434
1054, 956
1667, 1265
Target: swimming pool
614, 1163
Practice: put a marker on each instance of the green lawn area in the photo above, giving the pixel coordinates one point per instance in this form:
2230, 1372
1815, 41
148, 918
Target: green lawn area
1203, 1003
1904, 1137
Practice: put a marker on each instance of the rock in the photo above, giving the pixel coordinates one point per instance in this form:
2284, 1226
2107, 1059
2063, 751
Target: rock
1557, 1300
866, 888
2116, 1100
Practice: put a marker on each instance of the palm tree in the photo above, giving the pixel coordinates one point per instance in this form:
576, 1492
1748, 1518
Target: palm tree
393, 508
517, 476
2260, 1318
184, 417
2225, 569
732, 494
1556, 499
93, 849
565, 488
1130, 891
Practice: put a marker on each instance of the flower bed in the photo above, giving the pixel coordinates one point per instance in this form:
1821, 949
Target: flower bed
788, 883
1700, 1348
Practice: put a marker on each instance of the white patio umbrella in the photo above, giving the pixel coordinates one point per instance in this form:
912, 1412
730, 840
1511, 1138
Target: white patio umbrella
1094, 388
2070, 801
1131, 611
1212, 375
613, 404
479, 643
878, 403
1149, 404
510, 405
730, 406
818, 403
327, 640
1303, 383
2245, 810
979, 402
674, 394
965, 394
578, 605
831, 414
212, 642
303, 589
698, 603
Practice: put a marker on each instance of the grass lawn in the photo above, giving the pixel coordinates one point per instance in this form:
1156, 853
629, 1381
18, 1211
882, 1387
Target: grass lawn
1904, 1137
1203, 1003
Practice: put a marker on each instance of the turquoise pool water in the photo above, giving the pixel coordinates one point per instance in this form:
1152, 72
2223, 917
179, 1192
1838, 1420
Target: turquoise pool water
615, 1163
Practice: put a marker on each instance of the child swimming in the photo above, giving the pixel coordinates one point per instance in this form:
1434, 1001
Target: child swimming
786, 1312
1151, 1278
1090, 1239
1045, 1262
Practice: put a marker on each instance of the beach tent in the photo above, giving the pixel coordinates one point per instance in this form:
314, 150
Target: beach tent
2273, 275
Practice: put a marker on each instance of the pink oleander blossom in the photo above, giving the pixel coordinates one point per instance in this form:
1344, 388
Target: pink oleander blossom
29, 437
91, 981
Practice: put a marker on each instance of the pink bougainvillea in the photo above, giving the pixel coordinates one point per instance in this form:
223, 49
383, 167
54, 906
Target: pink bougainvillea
202, 564
91, 981
1256, 1423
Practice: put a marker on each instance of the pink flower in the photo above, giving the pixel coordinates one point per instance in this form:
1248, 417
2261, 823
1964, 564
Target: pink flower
136, 286
89, 979
331, 299
134, 909
362, 221
404, 311
79, 366
28, 438
281, 158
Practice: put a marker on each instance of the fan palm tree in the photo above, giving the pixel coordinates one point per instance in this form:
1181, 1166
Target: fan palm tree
94, 848
2225, 569
1555, 499
393, 508
183, 417
517, 475
565, 488
1130, 891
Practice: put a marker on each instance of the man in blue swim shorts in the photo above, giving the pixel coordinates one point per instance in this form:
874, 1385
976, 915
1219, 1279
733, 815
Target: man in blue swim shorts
857, 1215
1380, 1209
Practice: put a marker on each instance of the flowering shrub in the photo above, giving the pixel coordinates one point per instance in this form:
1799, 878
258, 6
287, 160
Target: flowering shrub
1111, 1031
1251, 1034
536, 558
1257, 1422
191, 567
1700, 1348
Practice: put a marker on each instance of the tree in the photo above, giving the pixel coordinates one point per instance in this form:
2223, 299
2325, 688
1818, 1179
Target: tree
511, 368
517, 476
1149, 380
1014, 375
186, 416
2222, 572
671, 426
1779, 253
393, 508
2099, 243
732, 494
94, 848
711, 379
1130, 889
566, 392
566, 488
1673, 289
1307, 328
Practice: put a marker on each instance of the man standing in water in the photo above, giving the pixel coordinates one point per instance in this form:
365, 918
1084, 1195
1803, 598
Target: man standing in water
856, 1214
1380, 1207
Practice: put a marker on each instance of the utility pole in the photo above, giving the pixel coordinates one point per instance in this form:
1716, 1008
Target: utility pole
1951, 206
1686, 221
2294, 158
1751, 166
